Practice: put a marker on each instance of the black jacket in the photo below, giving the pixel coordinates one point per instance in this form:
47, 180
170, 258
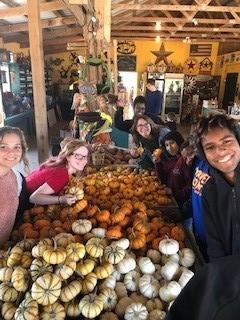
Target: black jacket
126, 125
221, 214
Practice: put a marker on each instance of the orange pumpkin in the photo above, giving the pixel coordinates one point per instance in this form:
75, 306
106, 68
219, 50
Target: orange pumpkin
165, 230
114, 233
103, 216
137, 240
141, 226
41, 223
37, 210
24, 226
56, 223
177, 233
125, 222
117, 216
155, 242
92, 210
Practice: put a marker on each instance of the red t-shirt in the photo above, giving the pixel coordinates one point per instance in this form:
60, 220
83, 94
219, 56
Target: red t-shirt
56, 177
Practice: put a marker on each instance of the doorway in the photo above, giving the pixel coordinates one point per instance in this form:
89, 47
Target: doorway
230, 89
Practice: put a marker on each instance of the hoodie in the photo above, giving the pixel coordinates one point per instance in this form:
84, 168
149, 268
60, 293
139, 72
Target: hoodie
221, 208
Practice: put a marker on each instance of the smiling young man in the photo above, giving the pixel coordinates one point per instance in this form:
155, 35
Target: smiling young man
219, 138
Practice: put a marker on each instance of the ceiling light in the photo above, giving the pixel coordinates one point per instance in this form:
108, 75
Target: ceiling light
180, 28
158, 25
232, 21
157, 39
215, 29
94, 19
203, 35
173, 33
195, 22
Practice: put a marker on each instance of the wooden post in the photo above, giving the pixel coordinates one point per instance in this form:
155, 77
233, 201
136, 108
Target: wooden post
38, 78
115, 66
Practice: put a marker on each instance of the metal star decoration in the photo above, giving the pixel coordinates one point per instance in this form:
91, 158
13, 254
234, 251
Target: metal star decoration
162, 54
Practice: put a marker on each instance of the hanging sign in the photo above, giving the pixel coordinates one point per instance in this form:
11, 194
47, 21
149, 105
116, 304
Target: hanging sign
126, 47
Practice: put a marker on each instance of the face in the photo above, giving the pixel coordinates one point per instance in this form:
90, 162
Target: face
143, 128
150, 87
10, 150
139, 109
188, 155
78, 160
172, 147
222, 150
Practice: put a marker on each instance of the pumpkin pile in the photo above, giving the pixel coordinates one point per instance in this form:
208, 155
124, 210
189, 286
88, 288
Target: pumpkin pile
58, 277
111, 185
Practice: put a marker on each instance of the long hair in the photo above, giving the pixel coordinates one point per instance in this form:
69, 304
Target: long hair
68, 150
18, 132
155, 128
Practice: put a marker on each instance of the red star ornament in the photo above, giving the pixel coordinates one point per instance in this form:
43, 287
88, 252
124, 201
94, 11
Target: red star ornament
162, 54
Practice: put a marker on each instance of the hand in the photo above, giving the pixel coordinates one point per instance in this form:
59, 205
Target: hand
68, 199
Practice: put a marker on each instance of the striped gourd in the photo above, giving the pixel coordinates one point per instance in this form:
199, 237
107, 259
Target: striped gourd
39, 267
27, 310
53, 311
46, 289
70, 291
7, 292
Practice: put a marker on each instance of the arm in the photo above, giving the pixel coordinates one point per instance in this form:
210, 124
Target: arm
44, 195
120, 123
214, 245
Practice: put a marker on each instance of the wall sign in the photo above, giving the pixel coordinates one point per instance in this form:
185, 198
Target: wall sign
126, 47
126, 63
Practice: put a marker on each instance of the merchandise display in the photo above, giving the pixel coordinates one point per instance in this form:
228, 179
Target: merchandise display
111, 255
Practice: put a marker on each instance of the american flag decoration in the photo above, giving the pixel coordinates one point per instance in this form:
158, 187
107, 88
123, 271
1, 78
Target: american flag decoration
200, 50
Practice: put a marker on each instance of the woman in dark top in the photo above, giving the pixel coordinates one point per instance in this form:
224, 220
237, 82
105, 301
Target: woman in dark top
147, 135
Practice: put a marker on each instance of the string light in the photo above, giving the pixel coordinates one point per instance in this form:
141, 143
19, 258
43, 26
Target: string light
157, 39
158, 25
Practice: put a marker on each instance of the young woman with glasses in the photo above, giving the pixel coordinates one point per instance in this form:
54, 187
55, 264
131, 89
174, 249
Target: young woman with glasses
12, 150
46, 182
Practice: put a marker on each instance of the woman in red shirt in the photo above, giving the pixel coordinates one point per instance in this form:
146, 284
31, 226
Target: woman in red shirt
45, 183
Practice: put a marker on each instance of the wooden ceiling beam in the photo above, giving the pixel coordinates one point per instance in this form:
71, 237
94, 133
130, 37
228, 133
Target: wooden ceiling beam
172, 20
53, 34
180, 7
23, 10
63, 40
50, 23
166, 28
195, 40
77, 11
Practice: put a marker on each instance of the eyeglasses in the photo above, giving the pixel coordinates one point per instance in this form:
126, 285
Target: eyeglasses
145, 125
80, 157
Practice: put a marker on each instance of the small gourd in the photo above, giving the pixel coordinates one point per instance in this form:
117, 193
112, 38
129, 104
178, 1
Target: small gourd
75, 251
108, 316
91, 306
72, 308
131, 280
63, 239
89, 283
168, 246
122, 305
53, 311
66, 269
94, 247
149, 286
99, 232
187, 257
173, 257
54, 255
121, 290
81, 226
15, 256
153, 304
46, 289
6, 274
157, 315
70, 291
126, 265
137, 297
114, 254
110, 299
169, 291
186, 275
109, 282
154, 255
136, 311
84, 267
77, 191
38, 268
123, 243
27, 310
7, 292
169, 270
20, 279
8, 310
104, 270
146, 265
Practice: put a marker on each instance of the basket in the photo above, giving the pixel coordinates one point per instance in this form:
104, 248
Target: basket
98, 158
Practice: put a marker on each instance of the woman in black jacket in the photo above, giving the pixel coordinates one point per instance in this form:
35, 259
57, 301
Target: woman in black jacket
219, 143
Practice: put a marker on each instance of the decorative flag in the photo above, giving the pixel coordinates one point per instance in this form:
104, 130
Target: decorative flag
200, 50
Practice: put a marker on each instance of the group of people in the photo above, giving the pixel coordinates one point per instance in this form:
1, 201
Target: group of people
202, 172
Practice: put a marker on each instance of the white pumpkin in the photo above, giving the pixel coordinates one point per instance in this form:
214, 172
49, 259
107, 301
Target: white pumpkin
121, 290
117, 275
173, 257
169, 291
149, 286
168, 246
131, 280
136, 311
122, 305
99, 232
126, 265
153, 304
169, 270
109, 282
123, 243
110, 299
154, 255
185, 277
81, 226
187, 257
146, 265
114, 254
157, 315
